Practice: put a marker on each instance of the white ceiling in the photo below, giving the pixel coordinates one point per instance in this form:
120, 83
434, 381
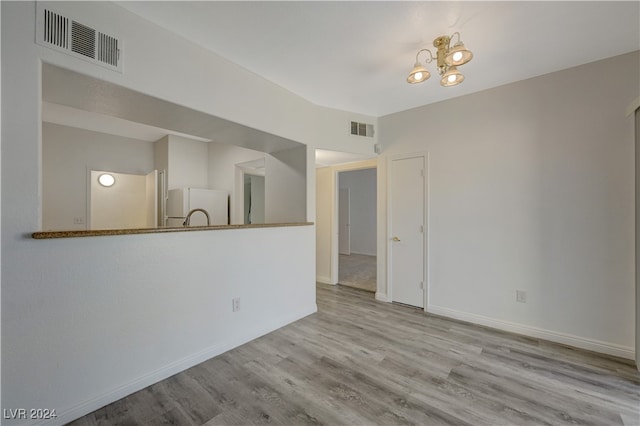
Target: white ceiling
355, 56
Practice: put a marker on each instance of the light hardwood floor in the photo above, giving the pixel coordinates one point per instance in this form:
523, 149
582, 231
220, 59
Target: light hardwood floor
362, 362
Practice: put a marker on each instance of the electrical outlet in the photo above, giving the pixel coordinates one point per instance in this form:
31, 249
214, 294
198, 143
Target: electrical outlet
521, 296
78, 220
235, 304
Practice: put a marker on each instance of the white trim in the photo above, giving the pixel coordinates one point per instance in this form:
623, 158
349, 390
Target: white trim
346, 240
540, 333
382, 297
87, 210
363, 254
334, 261
633, 106
88, 406
325, 280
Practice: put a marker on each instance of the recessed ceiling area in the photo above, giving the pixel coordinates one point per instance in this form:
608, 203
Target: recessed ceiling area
355, 56
59, 88
102, 123
104, 106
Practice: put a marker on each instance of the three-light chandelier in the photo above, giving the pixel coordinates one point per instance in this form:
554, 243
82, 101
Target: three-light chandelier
448, 59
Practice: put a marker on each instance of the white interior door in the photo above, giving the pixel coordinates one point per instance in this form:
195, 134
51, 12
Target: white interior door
344, 218
407, 232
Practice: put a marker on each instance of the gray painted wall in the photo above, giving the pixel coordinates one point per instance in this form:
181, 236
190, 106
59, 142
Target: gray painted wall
531, 187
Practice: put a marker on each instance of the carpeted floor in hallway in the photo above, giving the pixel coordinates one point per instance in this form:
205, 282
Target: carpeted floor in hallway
358, 271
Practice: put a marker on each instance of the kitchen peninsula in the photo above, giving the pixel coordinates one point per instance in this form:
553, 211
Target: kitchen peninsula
44, 235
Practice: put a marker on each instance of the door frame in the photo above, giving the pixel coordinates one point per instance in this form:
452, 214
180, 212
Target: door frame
636, 119
425, 220
335, 258
341, 237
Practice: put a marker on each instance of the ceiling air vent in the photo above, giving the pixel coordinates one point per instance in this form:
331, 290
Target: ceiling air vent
64, 34
361, 129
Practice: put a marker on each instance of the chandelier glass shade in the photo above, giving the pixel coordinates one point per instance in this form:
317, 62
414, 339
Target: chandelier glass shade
448, 58
451, 77
419, 73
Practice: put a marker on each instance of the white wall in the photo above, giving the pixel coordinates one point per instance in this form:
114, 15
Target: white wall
67, 154
222, 172
534, 190
161, 162
161, 155
188, 163
121, 206
1, 123
222, 164
325, 203
80, 331
285, 178
362, 184
285, 186
152, 188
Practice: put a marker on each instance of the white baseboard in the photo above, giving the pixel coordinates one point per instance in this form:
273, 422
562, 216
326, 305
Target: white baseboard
86, 407
324, 280
382, 297
364, 254
540, 333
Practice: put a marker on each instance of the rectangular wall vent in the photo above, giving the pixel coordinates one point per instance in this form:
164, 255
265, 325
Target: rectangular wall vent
108, 51
361, 129
83, 40
56, 29
64, 34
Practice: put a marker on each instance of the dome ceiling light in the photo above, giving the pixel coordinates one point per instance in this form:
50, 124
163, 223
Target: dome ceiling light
106, 179
448, 59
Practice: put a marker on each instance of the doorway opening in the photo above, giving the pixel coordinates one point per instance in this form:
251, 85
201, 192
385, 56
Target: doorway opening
250, 200
357, 237
253, 199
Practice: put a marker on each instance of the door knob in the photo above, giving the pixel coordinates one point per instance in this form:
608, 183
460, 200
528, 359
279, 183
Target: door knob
396, 239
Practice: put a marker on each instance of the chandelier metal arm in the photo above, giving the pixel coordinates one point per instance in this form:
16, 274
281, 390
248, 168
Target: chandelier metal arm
425, 50
456, 33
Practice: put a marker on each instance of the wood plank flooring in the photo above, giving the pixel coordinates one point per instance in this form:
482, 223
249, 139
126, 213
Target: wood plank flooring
362, 362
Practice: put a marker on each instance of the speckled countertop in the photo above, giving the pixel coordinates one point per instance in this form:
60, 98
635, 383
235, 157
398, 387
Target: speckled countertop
43, 235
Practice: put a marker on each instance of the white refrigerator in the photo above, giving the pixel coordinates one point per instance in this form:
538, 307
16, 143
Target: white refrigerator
181, 201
